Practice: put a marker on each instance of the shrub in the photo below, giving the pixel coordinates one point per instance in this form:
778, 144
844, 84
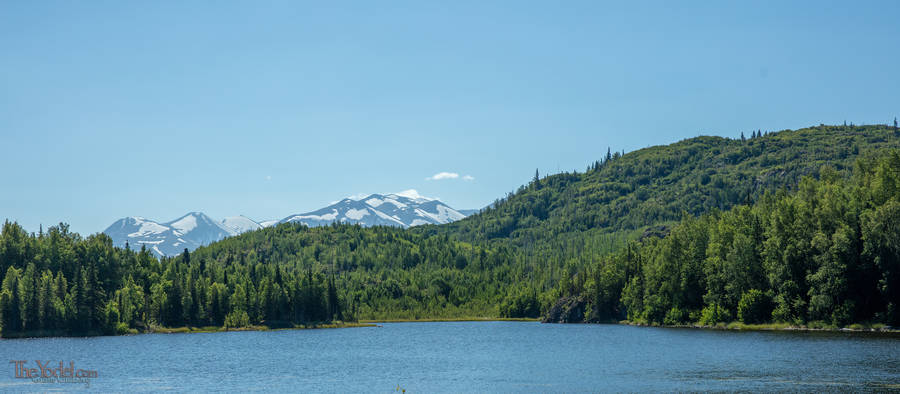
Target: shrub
237, 319
755, 307
676, 316
122, 329
713, 314
520, 304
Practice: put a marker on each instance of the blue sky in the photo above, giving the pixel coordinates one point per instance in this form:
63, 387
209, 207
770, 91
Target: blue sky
112, 109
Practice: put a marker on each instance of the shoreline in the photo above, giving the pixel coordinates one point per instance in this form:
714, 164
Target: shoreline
451, 319
195, 330
773, 327
733, 326
214, 329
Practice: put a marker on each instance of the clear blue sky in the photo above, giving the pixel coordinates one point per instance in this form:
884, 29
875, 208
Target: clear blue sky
112, 109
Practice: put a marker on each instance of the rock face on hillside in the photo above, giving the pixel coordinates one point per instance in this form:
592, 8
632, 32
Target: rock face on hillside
660, 231
566, 310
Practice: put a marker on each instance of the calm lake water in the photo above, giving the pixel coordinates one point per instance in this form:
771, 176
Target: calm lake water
468, 357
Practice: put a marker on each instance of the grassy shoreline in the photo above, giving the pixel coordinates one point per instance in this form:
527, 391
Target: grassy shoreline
186, 330
738, 326
450, 319
208, 329
733, 326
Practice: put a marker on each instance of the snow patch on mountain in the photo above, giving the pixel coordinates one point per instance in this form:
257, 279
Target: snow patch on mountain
396, 203
418, 222
374, 202
391, 220
446, 214
185, 224
356, 214
240, 224
269, 223
146, 227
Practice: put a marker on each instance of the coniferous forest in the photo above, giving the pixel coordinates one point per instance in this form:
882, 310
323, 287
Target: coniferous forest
58, 283
799, 227
827, 254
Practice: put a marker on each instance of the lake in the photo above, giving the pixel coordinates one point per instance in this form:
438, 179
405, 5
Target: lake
467, 357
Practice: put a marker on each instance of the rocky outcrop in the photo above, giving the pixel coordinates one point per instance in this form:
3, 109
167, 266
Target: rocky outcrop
566, 310
660, 231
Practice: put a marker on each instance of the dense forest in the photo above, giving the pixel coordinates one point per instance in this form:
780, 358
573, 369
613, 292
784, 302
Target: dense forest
827, 253
58, 283
656, 235
622, 193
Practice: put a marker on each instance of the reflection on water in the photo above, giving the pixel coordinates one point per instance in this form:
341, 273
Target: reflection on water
472, 356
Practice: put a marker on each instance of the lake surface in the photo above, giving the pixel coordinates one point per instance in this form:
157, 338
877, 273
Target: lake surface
468, 357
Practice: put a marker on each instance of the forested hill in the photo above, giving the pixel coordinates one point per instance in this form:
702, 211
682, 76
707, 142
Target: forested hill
550, 239
657, 184
827, 254
510, 259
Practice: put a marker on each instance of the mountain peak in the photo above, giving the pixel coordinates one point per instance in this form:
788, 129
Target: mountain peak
240, 224
403, 209
412, 194
189, 231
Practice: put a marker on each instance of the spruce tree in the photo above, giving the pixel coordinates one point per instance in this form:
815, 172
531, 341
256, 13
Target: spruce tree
10, 307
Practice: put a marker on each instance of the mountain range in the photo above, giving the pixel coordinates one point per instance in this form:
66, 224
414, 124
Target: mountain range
404, 209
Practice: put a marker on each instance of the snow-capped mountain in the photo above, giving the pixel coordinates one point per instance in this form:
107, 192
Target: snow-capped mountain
404, 209
241, 224
269, 223
199, 228
171, 238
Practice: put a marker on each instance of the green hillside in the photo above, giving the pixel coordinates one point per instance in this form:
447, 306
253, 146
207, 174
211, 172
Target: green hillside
544, 242
826, 255
657, 184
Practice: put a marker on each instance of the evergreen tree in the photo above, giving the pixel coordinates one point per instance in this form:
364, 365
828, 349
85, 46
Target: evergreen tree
10, 303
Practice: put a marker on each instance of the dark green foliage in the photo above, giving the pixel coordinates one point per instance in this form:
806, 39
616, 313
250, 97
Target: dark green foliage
521, 303
755, 307
605, 241
62, 284
384, 272
830, 252
659, 184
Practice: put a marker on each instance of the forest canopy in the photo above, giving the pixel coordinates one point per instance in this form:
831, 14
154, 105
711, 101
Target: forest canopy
792, 226
828, 253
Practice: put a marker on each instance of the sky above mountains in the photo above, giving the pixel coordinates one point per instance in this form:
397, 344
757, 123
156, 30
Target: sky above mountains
113, 109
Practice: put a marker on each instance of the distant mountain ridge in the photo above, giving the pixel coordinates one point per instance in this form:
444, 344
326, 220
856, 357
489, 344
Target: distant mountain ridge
170, 238
404, 209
